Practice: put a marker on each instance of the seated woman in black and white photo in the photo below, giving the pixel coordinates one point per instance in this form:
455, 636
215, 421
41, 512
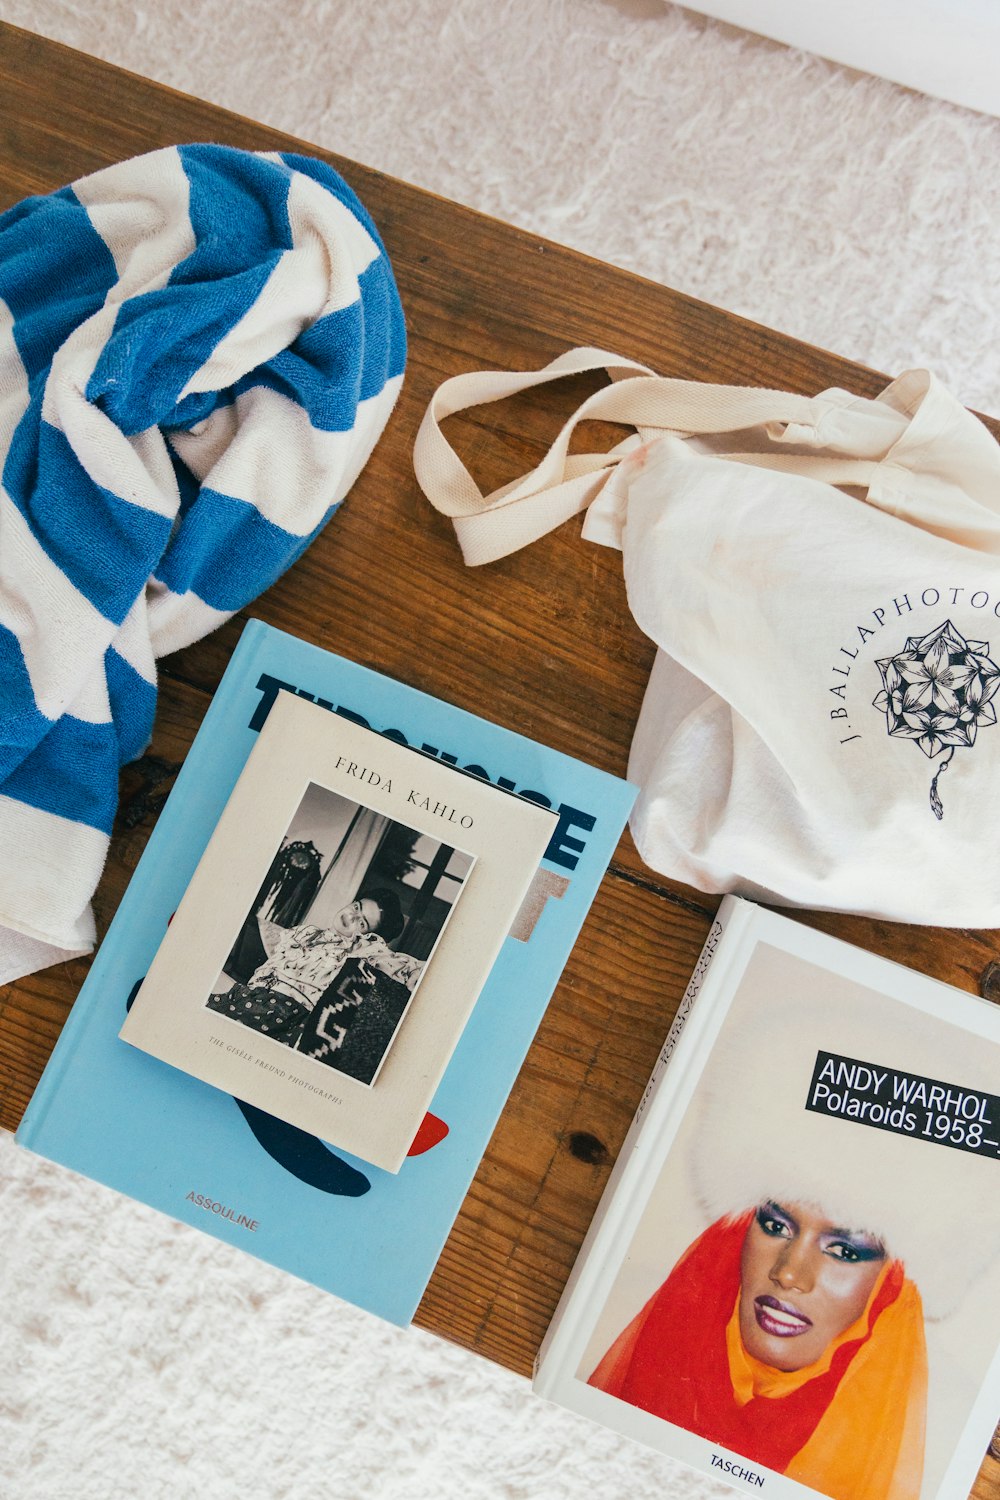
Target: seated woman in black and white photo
302, 962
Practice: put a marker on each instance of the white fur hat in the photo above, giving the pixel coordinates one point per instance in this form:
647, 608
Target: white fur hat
936, 1208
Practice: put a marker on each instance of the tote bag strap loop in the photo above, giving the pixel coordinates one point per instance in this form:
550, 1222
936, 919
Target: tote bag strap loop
491, 526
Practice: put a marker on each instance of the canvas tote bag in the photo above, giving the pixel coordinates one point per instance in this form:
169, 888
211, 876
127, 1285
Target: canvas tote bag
821, 578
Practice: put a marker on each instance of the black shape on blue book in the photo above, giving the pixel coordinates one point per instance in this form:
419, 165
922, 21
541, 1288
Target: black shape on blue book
304, 1155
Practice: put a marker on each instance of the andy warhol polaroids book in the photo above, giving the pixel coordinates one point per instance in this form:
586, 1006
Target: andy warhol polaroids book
792, 1282
210, 1157
422, 873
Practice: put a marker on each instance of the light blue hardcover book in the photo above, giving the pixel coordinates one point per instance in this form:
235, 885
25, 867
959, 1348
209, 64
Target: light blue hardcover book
115, 1114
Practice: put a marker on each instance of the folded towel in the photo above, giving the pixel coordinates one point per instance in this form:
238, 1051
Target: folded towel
198, 351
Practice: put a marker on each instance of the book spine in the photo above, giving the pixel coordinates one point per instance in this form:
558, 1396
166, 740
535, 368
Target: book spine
701, 968
731, 913
83, 1009
242, 667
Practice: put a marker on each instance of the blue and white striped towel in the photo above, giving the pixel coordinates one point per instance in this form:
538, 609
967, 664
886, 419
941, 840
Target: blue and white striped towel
198, 351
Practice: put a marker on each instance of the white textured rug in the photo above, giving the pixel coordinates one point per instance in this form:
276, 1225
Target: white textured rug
138, 1357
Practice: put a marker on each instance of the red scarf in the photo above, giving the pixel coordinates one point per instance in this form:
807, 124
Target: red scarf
679, 1366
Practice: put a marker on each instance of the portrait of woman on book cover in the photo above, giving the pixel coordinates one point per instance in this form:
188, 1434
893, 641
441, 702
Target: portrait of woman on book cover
793, 1329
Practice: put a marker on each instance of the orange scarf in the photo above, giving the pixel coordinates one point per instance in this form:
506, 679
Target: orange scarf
851, 1425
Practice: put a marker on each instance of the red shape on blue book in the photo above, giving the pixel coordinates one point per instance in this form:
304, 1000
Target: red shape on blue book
432, 1130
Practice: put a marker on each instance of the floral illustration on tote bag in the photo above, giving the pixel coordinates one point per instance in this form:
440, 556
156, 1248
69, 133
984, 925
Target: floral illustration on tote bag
937, 691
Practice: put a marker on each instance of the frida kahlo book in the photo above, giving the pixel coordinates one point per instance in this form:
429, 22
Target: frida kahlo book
342, 1022
792, 1281
212, 1159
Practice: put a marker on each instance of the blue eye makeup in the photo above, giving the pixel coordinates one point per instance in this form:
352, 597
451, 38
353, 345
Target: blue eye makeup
853, 1249
774, 1222
849, 1246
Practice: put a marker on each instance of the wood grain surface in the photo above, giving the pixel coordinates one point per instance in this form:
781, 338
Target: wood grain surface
542, 642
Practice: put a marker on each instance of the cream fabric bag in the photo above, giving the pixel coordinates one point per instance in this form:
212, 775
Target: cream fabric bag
821, 579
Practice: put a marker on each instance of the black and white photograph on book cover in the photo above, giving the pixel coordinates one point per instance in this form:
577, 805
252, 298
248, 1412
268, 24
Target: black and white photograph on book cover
814, 1282
332, 951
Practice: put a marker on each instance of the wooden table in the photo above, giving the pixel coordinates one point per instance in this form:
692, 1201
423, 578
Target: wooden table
548, 647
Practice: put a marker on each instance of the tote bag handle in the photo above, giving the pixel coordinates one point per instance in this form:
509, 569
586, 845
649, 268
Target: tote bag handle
563, 484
